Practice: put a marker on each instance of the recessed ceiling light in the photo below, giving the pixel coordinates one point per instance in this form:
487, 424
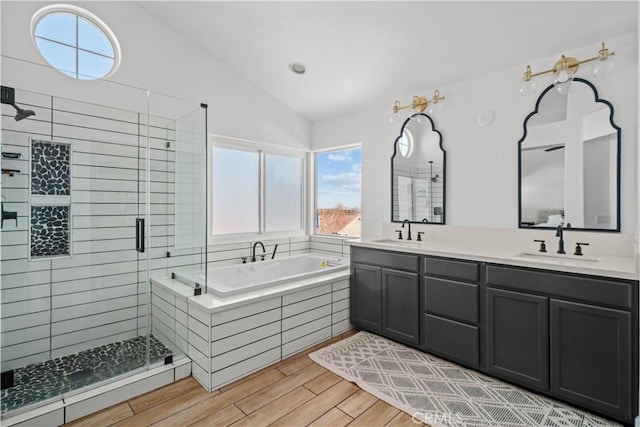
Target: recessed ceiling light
298, 67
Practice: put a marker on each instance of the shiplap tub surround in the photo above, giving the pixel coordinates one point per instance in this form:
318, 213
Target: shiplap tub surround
60, 306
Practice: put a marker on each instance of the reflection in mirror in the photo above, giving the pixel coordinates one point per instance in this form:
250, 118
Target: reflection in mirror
418, 173
569, 161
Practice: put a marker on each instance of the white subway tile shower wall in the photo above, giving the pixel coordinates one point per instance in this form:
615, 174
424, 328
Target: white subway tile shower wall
60, 306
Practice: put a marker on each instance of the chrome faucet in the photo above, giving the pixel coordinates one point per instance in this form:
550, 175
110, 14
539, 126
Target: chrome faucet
409, 231
253, 251
559, 234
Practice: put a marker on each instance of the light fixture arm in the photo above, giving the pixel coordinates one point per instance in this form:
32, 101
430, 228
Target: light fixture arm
570, 63
419, 103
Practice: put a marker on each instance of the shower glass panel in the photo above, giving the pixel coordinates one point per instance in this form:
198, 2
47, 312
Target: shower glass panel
177, 203
89, 215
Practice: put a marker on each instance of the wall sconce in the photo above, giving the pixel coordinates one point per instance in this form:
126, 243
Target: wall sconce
565, 68
418, 105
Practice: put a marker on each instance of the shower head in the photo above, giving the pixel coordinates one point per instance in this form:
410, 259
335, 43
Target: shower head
22, 114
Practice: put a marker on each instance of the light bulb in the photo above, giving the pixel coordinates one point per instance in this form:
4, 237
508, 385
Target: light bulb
603, 68
434, 108
563, 75
419, 118
563, 88
528, 87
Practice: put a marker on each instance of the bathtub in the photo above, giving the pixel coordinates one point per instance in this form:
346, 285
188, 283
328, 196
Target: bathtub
237, 279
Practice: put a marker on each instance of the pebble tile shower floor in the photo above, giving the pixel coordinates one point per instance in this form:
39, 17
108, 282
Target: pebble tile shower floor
42, 381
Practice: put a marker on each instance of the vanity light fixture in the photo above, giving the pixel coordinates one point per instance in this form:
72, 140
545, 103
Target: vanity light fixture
418, 105
565, 68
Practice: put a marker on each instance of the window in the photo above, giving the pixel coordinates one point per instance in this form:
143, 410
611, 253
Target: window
338, 183
256, 190
75, 42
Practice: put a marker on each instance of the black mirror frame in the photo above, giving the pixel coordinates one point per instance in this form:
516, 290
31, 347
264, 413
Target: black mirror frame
444, 169
618, 157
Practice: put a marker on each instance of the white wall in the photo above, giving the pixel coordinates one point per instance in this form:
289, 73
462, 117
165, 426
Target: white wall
157, 58
482, 170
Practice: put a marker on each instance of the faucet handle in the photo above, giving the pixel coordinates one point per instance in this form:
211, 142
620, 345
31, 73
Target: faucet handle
543, 247
579, 249
399, 234
244, 259
420, 233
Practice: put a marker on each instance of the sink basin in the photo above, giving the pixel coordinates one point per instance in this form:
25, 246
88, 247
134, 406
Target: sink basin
398, 242
557, 258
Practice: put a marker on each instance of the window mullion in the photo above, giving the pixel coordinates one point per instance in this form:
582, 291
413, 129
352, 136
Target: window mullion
261, 192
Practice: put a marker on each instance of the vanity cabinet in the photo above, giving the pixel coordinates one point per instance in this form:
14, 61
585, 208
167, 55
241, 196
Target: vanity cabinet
451, 309
366, 296
518, 337
567, 335
385, 293
596, 341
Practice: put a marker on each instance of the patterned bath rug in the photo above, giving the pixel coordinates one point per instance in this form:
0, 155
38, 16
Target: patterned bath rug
441, 393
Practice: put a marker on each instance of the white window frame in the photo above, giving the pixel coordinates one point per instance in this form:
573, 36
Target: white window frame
91, 18
262, 149
313, 202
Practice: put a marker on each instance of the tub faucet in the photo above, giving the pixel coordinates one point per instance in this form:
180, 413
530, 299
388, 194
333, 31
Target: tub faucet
406, 221
253, 252
560, 236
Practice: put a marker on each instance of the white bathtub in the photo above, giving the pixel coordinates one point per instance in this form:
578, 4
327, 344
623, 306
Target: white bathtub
236, 279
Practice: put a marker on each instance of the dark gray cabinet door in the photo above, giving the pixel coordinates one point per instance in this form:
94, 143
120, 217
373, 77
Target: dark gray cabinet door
591, 356
518, 337
400, 305
366, 297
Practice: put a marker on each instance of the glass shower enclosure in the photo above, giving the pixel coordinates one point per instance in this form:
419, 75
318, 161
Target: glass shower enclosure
96, 200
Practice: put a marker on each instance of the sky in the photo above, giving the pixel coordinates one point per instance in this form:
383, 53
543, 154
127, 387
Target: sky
339, 178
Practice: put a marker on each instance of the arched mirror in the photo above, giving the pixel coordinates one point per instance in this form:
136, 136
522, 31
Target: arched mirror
418, 172
569, 161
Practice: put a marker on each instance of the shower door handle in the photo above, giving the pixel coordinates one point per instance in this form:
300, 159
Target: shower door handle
140, 234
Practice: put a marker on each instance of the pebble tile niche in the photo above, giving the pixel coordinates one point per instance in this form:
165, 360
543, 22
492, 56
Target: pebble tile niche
49, 231
50, 180
41, 381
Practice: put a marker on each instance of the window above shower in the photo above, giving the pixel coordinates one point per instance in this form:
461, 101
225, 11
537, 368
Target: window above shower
75, 42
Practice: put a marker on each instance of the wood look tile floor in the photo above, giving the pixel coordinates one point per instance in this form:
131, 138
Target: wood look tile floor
293, 392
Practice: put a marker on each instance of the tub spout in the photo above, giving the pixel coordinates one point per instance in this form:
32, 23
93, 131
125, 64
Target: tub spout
253, 251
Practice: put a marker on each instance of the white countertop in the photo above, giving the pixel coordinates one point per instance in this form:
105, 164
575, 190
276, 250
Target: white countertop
612, 266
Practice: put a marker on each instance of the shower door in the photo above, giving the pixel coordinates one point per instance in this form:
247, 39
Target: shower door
75, 290
89, 219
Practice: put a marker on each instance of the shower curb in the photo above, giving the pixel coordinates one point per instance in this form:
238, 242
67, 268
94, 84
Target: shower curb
79, 405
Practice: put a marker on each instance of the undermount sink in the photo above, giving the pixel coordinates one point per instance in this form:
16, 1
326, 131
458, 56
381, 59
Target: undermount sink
555, 257
397, 242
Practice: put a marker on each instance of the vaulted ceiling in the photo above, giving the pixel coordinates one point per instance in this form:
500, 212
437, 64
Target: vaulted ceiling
363, 52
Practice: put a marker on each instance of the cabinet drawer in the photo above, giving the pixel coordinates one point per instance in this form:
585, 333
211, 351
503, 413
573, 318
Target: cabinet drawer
453, 339
599, 291
455, 300
389, 259
453, 269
